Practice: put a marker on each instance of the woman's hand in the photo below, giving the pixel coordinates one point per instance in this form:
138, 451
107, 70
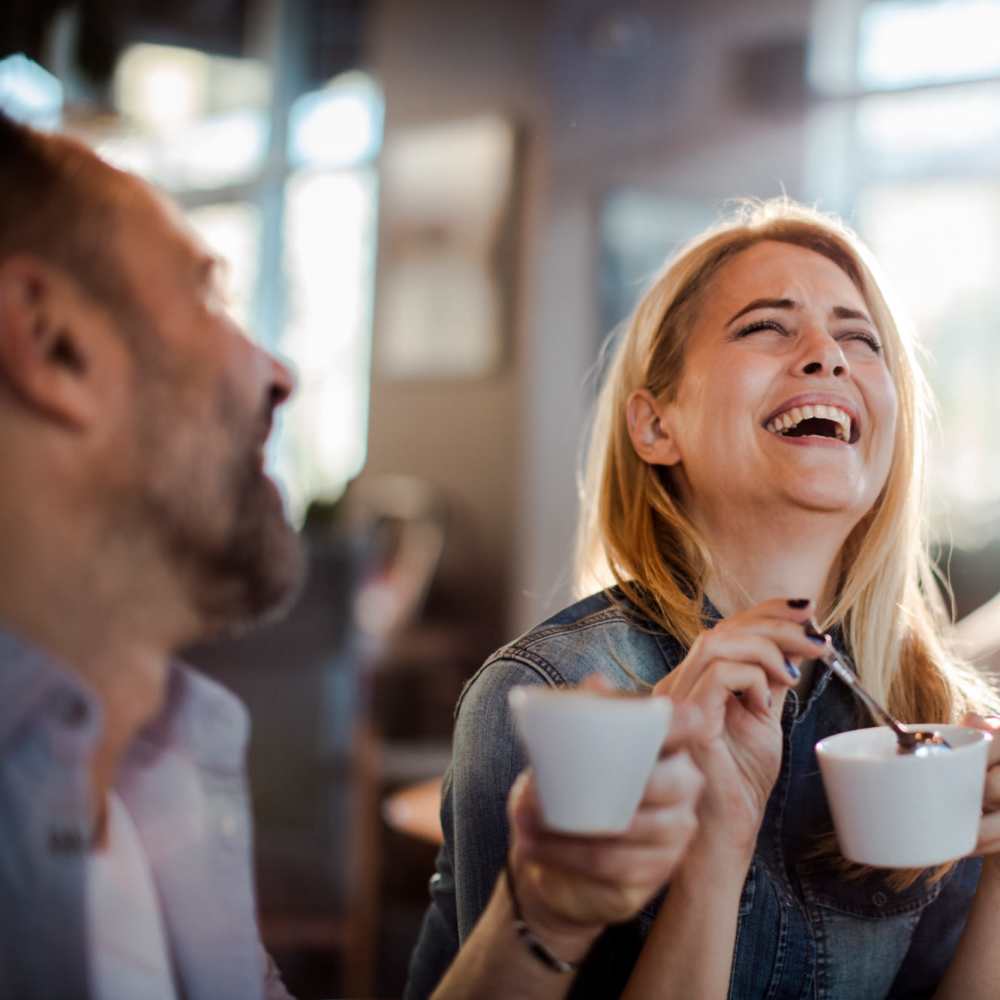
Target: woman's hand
571, 887
989, 827
738, 674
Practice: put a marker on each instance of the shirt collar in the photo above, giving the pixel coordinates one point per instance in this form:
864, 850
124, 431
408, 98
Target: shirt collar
198, 715
34, 683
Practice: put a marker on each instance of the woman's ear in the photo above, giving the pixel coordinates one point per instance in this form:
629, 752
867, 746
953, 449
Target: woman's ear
647, 427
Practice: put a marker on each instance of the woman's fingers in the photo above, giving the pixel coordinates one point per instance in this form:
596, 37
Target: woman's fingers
991, 790
687, 725
674, 779
989, 826
791, 608
598, 684
523, 811
653, 844
790, 637
769, 634
989, 835
989, 724
763, 644
723, 678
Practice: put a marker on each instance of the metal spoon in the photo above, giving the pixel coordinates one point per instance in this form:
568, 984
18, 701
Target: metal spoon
920, 744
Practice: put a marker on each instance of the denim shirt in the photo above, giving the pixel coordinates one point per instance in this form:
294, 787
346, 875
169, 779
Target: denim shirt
184, 785
804, 929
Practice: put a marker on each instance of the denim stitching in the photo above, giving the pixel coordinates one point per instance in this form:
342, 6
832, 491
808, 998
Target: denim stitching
780, 951
525, 658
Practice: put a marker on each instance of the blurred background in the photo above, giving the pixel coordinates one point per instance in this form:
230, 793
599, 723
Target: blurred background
437, 211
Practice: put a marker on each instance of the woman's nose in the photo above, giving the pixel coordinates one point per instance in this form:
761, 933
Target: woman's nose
822, 355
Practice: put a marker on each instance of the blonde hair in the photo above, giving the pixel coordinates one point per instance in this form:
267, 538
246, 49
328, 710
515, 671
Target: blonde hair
634, 532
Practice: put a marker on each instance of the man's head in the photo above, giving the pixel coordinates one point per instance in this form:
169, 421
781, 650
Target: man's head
120, 362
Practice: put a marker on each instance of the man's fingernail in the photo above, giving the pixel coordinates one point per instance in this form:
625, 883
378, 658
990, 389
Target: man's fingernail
793, 671
799, 602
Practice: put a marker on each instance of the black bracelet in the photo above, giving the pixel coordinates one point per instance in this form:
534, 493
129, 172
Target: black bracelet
533, 944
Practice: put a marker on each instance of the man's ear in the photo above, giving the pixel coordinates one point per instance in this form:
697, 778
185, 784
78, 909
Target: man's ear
50, 334
647, 427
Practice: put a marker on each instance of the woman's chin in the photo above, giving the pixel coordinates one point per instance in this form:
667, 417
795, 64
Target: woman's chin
831, 498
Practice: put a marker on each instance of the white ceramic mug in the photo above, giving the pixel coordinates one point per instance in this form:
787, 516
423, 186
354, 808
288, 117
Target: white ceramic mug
592, 754
899, 810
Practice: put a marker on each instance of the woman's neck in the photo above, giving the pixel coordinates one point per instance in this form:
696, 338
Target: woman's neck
753, 563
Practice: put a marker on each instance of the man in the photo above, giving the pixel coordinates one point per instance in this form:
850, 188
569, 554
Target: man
136, 518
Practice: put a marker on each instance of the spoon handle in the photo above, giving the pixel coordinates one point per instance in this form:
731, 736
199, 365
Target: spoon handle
831, 658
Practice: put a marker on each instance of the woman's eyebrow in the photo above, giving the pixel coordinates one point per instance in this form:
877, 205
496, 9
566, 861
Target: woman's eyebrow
838, 312
764, 304
842, 312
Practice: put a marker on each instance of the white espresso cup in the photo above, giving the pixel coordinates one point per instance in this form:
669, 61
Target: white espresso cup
895, 810
592, 754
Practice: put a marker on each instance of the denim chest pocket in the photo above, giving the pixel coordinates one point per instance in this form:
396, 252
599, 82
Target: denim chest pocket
867, 898
862, 930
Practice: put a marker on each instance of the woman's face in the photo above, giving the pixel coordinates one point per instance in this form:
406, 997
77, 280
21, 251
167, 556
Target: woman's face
785, 396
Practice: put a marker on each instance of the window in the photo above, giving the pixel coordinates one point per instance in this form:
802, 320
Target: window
293, 209
909, 151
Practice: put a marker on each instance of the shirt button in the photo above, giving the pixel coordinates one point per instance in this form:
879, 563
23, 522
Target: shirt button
880, 899
67, 840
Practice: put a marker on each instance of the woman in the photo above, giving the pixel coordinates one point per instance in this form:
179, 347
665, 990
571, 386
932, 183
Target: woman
755, 462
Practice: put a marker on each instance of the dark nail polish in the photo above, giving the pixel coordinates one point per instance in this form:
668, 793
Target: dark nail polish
813, 632
799, 602
793, 671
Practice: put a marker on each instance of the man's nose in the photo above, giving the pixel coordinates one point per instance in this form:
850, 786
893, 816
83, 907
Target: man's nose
281, 381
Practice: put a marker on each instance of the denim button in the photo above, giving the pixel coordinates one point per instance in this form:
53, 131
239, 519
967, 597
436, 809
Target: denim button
880, 898
74, 712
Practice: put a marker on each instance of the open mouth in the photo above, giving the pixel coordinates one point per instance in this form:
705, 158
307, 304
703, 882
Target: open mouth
814, 421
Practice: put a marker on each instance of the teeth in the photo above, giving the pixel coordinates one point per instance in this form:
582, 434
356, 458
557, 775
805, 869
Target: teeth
787, 420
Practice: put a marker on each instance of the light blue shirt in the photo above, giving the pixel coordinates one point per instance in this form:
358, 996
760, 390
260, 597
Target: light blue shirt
184, 784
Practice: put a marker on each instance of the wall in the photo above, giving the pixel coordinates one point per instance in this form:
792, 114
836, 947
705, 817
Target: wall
438, 61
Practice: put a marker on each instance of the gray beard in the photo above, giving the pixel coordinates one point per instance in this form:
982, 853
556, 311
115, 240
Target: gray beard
257, 571
250, 567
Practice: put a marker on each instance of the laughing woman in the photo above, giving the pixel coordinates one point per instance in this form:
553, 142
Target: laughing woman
756, 461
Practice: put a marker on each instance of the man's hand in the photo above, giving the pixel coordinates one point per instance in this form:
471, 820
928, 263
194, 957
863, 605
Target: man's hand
571, 887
